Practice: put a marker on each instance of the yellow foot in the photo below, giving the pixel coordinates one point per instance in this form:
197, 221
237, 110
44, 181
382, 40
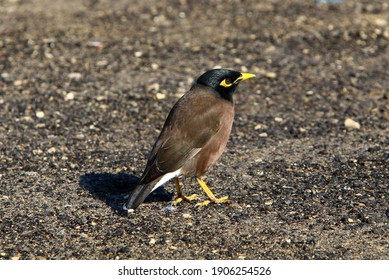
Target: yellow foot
223, 199
188, 198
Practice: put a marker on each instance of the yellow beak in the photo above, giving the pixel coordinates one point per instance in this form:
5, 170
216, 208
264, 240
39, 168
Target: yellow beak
245, 76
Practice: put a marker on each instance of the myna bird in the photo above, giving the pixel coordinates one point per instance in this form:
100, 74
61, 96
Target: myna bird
193, 137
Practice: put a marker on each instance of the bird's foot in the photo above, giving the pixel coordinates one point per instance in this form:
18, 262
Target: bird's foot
223, 199
188, 198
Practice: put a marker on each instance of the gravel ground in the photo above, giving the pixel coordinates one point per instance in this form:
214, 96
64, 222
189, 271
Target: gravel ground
86, 85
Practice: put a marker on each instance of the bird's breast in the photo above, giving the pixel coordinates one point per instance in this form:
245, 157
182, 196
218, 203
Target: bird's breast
215, 146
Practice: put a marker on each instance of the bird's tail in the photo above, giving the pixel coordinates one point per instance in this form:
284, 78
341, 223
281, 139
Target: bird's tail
138, 195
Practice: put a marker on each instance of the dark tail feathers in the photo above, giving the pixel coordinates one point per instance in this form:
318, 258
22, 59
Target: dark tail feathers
138, 195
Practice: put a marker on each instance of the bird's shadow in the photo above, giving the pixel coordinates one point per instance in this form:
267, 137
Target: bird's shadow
115, 189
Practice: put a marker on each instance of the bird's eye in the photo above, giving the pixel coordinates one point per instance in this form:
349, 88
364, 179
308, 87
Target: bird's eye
227, 82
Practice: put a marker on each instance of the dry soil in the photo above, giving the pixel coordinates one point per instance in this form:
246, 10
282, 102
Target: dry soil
86, 85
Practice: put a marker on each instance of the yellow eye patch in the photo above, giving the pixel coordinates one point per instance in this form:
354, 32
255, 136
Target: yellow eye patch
226, 83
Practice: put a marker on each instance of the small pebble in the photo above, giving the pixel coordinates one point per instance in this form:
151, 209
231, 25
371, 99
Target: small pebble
334, 121
186, 216
244, 69
270, 202
182, 15
39, 114
241, 257
102, 63
278, 119
69, 96
26, 118
160, 95
271, 75
169, 208
4, 76
309, 93
49, 55
153, 87
15, 258
18, 83
75, 76
95, 44
237, 60
258, 126
101, 97
40, 125
350, 123
80, 136
381, 22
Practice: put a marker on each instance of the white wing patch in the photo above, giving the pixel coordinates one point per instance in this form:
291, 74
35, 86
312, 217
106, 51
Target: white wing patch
168, 176
165, 178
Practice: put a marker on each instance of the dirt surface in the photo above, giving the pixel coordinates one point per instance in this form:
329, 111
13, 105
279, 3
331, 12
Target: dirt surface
86, 85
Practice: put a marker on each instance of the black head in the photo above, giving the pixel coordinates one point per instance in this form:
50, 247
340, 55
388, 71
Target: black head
223, 81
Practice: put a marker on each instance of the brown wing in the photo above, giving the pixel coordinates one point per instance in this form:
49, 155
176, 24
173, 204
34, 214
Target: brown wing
191, 123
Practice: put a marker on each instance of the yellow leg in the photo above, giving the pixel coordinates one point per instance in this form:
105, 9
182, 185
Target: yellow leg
210, 195
180, 194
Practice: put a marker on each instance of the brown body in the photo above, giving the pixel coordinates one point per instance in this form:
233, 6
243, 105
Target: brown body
194, 140
215, 146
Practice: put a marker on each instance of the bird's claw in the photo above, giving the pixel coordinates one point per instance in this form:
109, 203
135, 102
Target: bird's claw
223, 199
188, 198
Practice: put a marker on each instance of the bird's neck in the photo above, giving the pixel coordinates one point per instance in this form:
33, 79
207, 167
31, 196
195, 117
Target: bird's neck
224, 95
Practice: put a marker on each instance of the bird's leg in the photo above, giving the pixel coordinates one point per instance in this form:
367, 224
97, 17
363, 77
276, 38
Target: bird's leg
210, 195
180, 194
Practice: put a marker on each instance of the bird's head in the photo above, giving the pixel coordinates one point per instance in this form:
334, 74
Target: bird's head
223, 81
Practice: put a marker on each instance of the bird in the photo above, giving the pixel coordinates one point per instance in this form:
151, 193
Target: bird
193, 137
